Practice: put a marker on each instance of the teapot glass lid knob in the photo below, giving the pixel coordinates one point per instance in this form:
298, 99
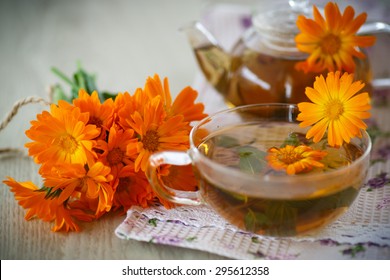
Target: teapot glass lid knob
276, 26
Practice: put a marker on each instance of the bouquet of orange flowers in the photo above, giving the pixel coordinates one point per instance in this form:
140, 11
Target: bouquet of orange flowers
93, 153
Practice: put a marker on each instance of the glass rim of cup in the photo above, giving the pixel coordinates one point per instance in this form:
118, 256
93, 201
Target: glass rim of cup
269, 177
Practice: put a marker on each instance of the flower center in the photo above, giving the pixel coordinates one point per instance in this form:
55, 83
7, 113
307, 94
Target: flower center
96, 121
115, 156
124, 183
150, 140
289, 157
68, 143
334, 109
330, 44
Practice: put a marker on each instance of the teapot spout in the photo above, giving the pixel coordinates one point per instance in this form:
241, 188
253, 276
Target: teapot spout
213, 61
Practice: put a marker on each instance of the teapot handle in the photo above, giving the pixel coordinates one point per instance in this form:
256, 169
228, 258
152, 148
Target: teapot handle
374, 28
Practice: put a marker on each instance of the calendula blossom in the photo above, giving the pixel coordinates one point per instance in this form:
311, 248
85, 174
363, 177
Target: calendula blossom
133, 189
331, 42
157, 133
74, 180
295, 159
100, 114
336, 109
159, 123
38, 205
119, 150
62, 136
184, 104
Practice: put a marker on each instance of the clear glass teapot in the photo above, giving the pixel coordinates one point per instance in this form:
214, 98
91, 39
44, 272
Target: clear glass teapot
261, 66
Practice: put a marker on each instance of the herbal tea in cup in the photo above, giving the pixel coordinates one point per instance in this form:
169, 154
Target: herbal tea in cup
256, 168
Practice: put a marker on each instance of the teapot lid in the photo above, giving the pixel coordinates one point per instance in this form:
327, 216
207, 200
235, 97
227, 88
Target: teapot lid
277, 28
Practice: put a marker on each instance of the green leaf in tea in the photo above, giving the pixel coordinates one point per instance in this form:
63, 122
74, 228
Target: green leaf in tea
276, 218
241, 197
334, 159
227, 141
255, 220
328, 203
282, 218
292, 140
252, 160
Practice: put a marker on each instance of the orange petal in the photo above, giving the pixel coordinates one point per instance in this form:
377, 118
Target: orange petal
315, 96
343, 131
321, 86
354, 26
333, 84
364, 41
359, 100
332, 15
318, 130
353, 88
319, 18
347, 16
309, 26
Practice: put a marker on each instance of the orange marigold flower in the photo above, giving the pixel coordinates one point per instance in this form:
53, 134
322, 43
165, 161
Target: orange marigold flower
295, 159
336, 108
156, 133
125, 105
159, 124
77, 181
119, 150
331, 41
62, 136
184, 104
100, 115
133, 189
46, 208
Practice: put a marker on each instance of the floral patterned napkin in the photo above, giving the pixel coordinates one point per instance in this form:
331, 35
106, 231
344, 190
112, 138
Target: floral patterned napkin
363, 232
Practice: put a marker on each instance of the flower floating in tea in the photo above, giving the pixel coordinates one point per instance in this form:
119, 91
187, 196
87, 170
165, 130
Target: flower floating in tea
337, 109
295, 159
93, 154
331, 42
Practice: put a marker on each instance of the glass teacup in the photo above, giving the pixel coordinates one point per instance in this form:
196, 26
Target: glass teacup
228, 152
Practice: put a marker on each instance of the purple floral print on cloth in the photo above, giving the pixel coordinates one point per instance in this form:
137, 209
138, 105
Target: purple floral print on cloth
384, 204
167, 239
171, 239
329, 242
384, 152
246, 21
379, 181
